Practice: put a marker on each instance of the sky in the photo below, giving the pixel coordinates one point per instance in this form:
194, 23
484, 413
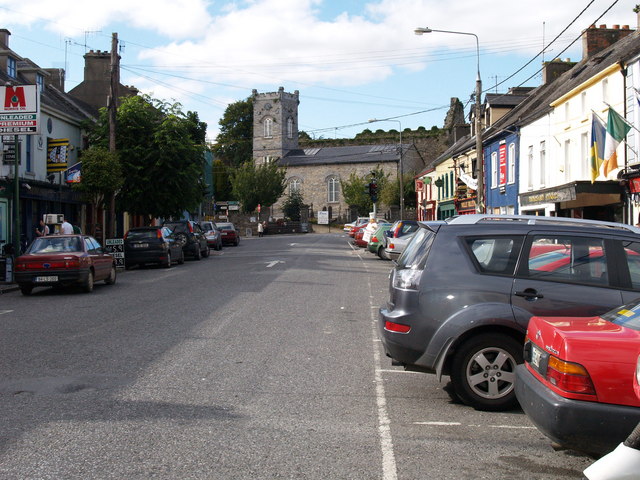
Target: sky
351, 60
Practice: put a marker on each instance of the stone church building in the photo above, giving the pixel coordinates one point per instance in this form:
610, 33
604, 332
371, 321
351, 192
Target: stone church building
317, 172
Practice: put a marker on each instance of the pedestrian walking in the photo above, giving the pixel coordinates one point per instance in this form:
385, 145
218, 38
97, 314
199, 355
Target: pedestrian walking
66, 228
260, 229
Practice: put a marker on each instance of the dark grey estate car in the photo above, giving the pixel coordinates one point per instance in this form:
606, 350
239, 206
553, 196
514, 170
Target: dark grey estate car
463, 291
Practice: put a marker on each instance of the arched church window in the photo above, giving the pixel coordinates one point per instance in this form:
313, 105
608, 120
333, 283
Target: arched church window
268, 123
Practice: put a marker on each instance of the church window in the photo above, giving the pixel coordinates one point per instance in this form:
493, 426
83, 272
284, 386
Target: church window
268, 123
294, 185
290, 128
333, 185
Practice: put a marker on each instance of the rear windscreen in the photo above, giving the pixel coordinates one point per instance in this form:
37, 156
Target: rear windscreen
177, 227
142, 234
415, 255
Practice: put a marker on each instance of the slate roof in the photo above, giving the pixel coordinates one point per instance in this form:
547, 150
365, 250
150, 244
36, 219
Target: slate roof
342, 155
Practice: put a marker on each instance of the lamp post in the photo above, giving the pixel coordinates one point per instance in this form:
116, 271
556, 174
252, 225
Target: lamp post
400, 166
478, 123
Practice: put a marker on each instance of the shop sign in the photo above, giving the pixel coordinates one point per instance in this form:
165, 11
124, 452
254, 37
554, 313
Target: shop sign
502, 155
634, 185
566, 194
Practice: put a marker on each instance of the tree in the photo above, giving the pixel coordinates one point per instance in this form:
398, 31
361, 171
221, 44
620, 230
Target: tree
390, 192
101, 176
355, 193
293, 205
161, 151
221, 181
253, 185
234, 143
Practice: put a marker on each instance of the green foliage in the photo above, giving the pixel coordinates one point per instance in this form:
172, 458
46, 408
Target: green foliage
234, 143
221, 181
101, 175
293, 205
253, 185
302, 135
390, 192
161, 151
355, 193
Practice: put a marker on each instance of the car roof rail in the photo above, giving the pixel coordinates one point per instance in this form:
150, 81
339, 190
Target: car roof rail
476, 218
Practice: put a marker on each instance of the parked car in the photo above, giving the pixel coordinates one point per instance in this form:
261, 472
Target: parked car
358, 235
359, 221
194, 243
144, 245
230, 235
399, 235
462, 294
378, 240
576, 383
213, 234
64, 260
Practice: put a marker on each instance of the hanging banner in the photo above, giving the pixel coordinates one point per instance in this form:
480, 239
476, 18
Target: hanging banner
57, 154
503, 164
74, 173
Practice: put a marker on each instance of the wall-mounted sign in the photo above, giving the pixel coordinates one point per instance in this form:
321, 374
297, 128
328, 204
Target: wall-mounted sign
57, 154
19, 109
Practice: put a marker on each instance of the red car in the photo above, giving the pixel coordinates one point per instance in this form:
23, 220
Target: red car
228, 233
64, 260
576, 383
358, 234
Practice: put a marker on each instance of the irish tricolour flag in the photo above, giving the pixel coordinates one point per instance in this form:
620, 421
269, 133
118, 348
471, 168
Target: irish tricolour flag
617, 129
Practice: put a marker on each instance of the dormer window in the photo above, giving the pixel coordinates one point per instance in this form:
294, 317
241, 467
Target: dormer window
40, 81
11, 67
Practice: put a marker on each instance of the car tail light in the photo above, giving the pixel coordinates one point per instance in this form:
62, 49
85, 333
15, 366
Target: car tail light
570, 377
374, 239
21, 266
72, 263
125, 236
392, 246
396, 327
158, 233
407, 278
190, 227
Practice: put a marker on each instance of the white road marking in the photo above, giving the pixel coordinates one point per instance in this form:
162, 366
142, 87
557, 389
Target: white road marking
2, 312
458, 424
389, 468
274, 262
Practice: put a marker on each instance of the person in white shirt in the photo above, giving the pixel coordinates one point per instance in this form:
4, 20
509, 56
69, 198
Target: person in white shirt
66, 228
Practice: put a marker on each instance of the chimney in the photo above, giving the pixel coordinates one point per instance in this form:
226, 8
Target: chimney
4, 38
595, 40
55, 78
552, 70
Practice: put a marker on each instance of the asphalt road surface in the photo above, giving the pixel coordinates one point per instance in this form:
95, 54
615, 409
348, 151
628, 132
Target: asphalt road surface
261, 361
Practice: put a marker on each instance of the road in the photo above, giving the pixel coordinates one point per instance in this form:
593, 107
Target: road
261, 361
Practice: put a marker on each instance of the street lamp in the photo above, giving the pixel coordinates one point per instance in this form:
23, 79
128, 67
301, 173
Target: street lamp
400, 166
478, 126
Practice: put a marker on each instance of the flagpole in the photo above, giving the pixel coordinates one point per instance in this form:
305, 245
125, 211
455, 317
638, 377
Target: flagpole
623, 119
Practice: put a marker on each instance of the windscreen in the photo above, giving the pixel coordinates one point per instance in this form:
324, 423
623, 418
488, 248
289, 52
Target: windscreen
626, 316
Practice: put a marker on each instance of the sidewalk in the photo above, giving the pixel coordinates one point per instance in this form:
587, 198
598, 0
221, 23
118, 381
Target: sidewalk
8, 287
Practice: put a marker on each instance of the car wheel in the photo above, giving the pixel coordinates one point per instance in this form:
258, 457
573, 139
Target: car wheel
181, 258
237, 242
167, 263
483, 372
198, 254
219, 246
88, 283
206, 252
26, 289
111, 279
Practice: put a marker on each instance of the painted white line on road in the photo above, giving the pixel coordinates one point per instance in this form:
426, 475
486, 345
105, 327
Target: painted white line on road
458, 424
274, 262
389, 468
2, 312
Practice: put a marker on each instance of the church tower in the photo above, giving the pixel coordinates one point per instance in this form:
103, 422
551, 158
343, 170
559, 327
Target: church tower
275, 124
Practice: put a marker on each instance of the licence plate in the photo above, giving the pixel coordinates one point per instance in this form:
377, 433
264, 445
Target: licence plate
224, 234
49, 278
140, 245
536, 357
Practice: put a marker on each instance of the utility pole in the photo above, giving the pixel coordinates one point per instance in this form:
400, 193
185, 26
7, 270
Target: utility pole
16, 198
112, 106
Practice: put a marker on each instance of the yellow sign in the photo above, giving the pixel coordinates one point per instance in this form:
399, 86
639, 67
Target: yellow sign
57, 154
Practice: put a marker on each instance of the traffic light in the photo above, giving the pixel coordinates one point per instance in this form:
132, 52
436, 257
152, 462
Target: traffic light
373, 191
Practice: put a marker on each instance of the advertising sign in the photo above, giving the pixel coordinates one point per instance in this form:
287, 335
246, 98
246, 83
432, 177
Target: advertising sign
323, 217
57, 154
74, 173
503, 163
115, 246
19, 109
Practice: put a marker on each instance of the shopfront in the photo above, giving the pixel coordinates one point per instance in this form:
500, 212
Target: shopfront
582, 199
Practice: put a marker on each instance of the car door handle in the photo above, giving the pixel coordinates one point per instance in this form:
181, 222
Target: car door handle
529, 294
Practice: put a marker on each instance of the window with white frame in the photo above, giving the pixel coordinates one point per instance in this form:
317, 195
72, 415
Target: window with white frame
583, 103
605, 90
333, 185
566, 112
294, 185
11, 67
268, 123
567, 159
530, 167
511, 163
290, 128
494, 169
584, 154
543, 163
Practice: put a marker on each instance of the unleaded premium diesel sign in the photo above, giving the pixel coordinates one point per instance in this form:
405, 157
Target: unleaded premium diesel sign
19, 109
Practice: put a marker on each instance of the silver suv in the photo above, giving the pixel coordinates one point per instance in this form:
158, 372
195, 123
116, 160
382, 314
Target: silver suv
463, 291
